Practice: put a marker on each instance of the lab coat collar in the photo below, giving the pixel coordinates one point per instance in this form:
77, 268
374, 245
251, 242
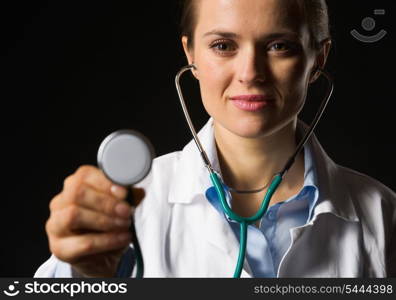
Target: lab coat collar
334, 195
190, 183
192, 177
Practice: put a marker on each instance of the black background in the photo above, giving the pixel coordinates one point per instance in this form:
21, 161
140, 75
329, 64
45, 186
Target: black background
74, 71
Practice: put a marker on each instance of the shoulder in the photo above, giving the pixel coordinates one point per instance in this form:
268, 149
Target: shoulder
162, 169
370, 194
366, 184
166, 162
371, 197
157, 184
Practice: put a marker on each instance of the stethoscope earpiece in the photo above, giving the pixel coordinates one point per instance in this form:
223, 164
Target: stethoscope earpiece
315, 71
193, 68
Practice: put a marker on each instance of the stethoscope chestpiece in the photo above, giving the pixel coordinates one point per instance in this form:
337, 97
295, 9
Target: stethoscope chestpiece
125, 157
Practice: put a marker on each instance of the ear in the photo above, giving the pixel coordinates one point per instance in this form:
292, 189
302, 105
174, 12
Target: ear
320, 60
189, 55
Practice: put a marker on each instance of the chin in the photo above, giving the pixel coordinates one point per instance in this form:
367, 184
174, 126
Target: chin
250, 127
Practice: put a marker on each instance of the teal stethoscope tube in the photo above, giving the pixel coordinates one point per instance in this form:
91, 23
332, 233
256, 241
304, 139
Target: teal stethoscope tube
244, 222
275, 182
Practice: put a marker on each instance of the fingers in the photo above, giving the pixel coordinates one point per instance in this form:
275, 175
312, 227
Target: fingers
90, 198
72, 248
93, 177
74, 219
89, 220
81, 207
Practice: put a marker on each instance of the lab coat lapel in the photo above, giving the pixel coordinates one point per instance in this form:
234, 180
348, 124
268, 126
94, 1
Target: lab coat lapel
334, 194
310, 243
191, 175
191, 182
329, 245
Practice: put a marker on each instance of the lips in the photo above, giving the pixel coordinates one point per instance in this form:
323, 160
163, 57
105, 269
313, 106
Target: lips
252, 102
252, 98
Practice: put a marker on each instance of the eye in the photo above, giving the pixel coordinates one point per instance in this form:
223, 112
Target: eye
223, 46
285, 48
280, 46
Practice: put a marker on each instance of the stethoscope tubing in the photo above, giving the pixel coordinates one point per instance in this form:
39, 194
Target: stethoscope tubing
276, 180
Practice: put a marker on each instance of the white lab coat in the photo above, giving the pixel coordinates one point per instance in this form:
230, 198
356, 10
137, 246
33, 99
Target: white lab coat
352, 232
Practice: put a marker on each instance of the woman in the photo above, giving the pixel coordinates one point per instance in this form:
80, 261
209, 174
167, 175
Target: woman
255, 60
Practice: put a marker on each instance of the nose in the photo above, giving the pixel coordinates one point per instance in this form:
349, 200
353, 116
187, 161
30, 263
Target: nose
251, 67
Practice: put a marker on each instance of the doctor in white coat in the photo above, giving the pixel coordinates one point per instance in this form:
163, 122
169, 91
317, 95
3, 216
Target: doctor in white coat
256, 60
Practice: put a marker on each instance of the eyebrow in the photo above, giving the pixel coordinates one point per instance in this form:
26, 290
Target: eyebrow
221, 33
227, 34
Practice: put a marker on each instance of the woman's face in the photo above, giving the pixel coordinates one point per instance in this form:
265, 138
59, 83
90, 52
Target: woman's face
251, 47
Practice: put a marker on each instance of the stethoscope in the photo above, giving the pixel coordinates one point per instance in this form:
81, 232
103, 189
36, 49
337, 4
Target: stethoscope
125, 157
275, 182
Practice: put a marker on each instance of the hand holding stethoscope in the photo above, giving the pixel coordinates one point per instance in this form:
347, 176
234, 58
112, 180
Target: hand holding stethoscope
125, 157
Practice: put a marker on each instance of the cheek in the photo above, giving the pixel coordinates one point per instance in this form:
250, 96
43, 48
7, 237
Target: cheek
291, 77
213, 81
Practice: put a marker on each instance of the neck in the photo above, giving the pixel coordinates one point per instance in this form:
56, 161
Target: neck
250, 163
